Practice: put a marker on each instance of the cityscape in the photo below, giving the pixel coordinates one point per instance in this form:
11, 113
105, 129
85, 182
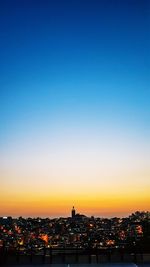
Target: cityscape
76, 231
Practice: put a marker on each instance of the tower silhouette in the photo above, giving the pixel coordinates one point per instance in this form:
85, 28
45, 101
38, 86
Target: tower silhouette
73, 212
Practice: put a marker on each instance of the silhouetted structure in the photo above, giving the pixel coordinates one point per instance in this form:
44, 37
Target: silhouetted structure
73, 212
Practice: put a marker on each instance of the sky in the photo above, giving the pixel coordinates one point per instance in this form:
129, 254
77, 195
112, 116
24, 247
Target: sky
74, 107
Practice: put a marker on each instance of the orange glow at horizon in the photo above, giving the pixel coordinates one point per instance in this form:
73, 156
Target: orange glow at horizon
101, 204
103, 177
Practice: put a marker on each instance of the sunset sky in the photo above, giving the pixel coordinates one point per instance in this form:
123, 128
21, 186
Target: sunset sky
74, 107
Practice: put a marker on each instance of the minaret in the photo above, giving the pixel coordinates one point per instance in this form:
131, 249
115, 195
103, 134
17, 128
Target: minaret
73, 212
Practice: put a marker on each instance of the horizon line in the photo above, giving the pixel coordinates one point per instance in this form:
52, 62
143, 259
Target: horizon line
64, 217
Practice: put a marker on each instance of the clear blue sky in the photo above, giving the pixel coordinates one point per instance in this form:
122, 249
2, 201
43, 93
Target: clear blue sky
73, 68
60, 56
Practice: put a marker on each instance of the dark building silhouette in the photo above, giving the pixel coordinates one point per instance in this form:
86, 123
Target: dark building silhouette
73, 212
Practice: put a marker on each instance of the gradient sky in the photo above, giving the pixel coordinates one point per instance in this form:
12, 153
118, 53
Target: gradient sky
74, 107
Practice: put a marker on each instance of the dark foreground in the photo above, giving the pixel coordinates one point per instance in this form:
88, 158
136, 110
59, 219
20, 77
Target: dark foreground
74, 260
89, 265
75, 257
